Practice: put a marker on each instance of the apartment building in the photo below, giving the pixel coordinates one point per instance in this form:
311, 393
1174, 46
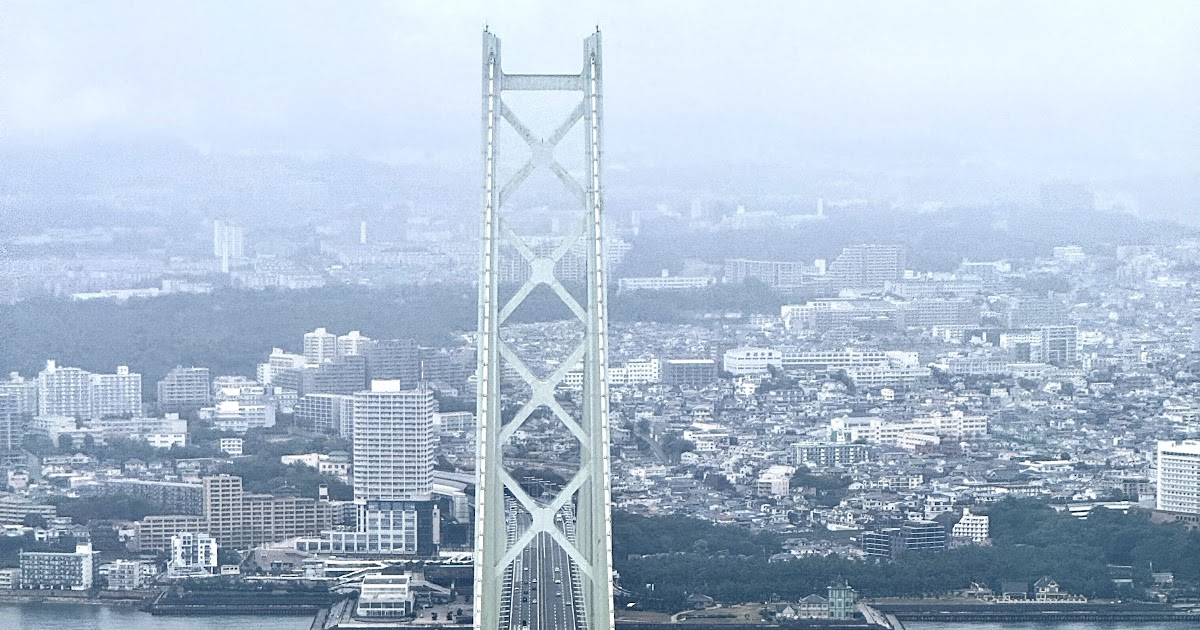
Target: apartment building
1178, 477
242, 520
184, 388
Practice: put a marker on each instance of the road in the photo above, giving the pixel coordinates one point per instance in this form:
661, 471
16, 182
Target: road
541, 586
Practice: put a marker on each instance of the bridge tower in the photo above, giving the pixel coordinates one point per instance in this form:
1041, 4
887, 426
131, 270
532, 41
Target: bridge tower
510, 392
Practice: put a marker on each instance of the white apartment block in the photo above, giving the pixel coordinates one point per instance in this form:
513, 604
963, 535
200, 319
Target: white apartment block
229, 243
902, 369
573, 380
352, 343
24, 393
52, 427
1069, 253
775, 481
741, 361
192, 554
973, 527
1027, 342
184, 387
455, 421
393, 442
955, 425
232, 446
320, 346
59, 570
911, 434
913, 440
235, 383
1060, 344
233, 416
158, 432
795, 359
345, 426
279, 360
1179, 477
664, 283
821, 315
165, 439
246, 393
128, 575
1029, 370
976, 365
868, 266
12, 427
867, 368
326, 412
64, 391
117, 394
633, 373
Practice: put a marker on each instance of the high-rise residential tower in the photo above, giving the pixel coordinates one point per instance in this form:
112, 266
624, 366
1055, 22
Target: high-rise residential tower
12, 425
183, 388
24, 391
341, 375
281, 365
393, 442
352, 343
395, 359
868, 267
1060, 345
392, 433
1179, 477
64, 391
328, 413
320, 346
117, 394
229, 243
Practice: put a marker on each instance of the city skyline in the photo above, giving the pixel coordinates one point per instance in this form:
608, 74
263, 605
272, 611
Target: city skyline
800, 315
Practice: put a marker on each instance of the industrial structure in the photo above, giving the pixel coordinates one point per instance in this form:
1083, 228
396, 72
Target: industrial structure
575, 523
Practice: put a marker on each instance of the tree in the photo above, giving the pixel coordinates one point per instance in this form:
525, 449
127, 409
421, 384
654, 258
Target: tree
717, 482
842, 377
226, 555
673, 445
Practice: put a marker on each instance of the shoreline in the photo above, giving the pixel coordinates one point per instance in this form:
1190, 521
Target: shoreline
131, 600
1037, 612
957, 612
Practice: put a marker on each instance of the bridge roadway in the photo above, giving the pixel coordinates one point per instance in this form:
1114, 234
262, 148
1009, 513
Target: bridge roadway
540, 586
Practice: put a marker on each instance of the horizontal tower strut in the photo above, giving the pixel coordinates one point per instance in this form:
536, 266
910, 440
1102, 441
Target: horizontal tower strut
543, 83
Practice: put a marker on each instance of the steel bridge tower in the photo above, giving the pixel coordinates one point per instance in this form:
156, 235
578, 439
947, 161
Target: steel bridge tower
588, 544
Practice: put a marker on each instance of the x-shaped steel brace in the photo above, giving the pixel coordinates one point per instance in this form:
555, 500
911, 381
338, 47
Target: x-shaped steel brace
542, 392
542, 271
543, 516
542, 153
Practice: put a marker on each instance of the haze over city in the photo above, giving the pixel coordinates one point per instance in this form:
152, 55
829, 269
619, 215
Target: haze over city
1009, 93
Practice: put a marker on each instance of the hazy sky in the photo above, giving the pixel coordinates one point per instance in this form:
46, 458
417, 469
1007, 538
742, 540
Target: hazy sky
1061, 83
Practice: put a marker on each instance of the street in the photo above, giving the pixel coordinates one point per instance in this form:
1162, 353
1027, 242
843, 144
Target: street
541, 588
